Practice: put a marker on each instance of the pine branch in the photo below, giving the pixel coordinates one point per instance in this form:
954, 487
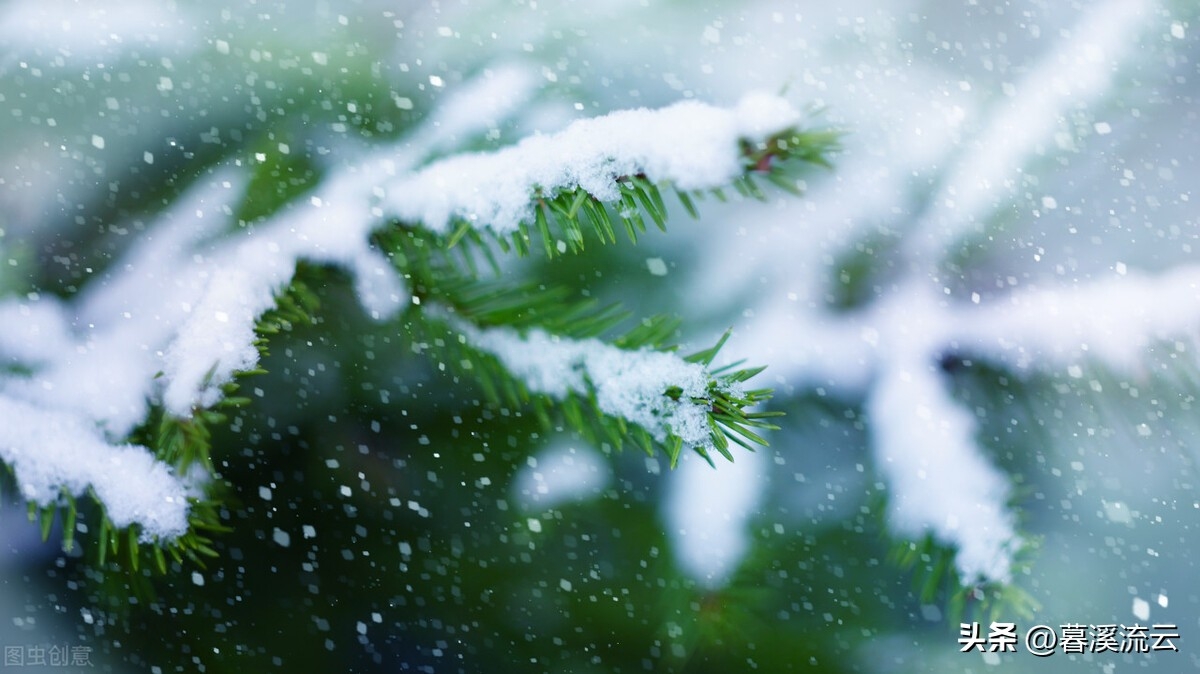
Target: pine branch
608, 173
936, 578
460, 313
563, 218
185, 446
600, 388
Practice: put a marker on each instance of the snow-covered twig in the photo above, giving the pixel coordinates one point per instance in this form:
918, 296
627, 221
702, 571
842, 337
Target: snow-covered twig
1114, 322
54, 452
938, 476
692, 145
924, 443
885, 351
630, 385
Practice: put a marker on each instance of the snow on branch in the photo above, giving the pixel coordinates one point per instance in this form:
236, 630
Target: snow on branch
471, 108
692, 145
54, 452
184, 302
923, 438
332, 226
885, 351
924, 443
82, 374
102, 349
1112, 321
938, 476
242, 277
630, 385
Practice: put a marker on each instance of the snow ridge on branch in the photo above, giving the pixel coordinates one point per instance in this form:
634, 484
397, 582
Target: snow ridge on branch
691, 145
885, 352
631, 385
924, 441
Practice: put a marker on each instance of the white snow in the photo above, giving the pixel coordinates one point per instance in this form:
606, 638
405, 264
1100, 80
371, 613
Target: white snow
561, 474
1112, 321
627, 384
474, 106
53, 451
938, 476
692, 145
35, 331
91, 32
1140, 609
938, 479
971, 168
103, 349
707, 512
924, 443
183, 302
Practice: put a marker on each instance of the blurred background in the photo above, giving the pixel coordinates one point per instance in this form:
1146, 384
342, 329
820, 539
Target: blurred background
385, 520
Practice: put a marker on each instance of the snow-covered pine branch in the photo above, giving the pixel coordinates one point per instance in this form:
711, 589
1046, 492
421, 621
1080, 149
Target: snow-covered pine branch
939, 482
885, 349
172, 323
690, 145
939, 478
54, 453
678, 402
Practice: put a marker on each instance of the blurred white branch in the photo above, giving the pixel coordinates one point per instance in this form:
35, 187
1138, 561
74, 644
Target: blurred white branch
887, 351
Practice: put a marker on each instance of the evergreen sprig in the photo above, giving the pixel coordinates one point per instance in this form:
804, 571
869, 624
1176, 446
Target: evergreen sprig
935, 576
561, 217
425, 261
730, 413
184, 445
